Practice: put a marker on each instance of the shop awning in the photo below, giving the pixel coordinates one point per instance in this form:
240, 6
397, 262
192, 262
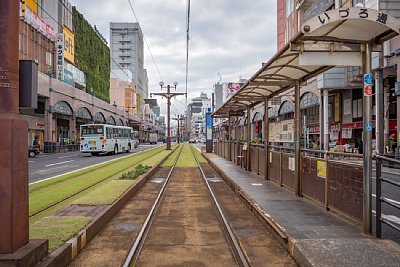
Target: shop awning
337, 35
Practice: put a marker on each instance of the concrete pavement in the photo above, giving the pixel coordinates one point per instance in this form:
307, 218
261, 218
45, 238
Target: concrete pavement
315, 237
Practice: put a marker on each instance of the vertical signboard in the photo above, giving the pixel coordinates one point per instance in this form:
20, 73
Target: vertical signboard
209, 126
60, 57
69, 45
209, 133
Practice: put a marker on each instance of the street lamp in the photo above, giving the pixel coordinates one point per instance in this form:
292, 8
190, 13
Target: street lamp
168, 95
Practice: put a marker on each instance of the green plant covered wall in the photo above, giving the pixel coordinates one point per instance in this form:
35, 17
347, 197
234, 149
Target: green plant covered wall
92, 56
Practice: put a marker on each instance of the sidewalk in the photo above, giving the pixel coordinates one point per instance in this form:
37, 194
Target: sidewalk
315, 237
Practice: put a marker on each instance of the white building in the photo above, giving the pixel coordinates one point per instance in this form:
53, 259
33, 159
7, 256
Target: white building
126, 44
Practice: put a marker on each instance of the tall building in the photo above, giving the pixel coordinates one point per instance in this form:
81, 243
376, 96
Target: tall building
126, 44
196, 114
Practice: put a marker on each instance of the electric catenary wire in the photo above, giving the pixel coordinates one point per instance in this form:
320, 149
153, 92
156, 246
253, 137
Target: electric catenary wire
145, 40
187, 47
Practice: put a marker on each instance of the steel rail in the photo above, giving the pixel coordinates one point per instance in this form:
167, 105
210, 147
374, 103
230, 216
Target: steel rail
85, 188
237, 249
134, 252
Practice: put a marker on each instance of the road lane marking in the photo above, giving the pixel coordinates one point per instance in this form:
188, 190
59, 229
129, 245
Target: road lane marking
63, 157
50, 178
49, 165
31, 161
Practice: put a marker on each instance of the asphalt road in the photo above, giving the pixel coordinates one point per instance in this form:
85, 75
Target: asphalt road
46, 166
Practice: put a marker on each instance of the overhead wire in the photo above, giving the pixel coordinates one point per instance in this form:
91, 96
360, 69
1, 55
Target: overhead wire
187, 48
145, 40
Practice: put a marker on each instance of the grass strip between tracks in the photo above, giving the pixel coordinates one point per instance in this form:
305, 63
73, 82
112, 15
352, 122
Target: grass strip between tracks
198, 155
57, 229
52, 193
106, 194
186, 159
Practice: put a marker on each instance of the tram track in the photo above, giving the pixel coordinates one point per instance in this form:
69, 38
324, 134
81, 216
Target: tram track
238, 253
81, 190
184, 215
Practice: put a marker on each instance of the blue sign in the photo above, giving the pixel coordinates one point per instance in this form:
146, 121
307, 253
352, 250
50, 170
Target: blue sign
209, 126
368, 79
368, 127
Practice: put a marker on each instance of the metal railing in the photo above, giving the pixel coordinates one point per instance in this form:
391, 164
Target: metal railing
53, 148
332, 179
380, 217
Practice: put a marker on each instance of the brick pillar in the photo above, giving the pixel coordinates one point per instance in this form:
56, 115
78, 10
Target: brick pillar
14, 224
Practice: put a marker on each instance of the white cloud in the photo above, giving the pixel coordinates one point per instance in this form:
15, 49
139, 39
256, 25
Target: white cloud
231, 37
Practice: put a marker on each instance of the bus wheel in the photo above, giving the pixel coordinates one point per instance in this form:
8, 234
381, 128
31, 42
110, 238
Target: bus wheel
115, 150
129, 148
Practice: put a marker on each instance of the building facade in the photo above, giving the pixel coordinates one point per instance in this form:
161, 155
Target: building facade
126, 43
64, 98
342, 85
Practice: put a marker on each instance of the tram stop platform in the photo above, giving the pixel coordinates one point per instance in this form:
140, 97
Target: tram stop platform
313, 236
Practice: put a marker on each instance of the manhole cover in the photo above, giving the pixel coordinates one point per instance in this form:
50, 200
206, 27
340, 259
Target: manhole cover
157, 180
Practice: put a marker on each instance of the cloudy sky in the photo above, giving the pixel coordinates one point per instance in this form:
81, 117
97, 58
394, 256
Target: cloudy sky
230, 37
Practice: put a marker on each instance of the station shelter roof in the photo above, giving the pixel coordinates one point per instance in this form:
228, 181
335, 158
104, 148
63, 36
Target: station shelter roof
342, 30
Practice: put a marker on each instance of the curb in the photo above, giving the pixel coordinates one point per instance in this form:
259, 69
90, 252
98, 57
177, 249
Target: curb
65, 254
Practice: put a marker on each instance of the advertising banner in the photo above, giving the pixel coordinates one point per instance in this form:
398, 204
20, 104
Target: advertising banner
209, 126
69, 46
228, 90
60, 57
37, 22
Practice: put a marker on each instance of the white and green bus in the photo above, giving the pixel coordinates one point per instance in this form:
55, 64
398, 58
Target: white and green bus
99, 139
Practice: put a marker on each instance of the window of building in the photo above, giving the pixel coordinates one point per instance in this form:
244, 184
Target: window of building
49, 59
289, 7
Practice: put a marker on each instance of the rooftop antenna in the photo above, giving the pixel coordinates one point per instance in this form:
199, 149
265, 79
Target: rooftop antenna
220, 78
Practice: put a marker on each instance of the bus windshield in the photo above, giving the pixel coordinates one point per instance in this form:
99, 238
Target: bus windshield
92, 130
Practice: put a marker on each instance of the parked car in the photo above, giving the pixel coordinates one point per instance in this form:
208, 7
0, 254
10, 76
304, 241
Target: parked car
32, 152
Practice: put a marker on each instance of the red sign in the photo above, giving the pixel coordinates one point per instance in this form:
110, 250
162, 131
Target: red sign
368, 90
39, 124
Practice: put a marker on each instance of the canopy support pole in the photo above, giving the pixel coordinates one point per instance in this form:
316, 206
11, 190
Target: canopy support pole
297, 139
266, 138
229, 138
326, 119
367, 143
248, 139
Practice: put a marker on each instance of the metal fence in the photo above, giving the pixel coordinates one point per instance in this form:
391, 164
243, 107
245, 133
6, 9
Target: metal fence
380, 178
331, 179
53, 148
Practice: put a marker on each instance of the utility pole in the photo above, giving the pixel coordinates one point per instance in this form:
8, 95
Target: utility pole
168, 95
177, 133
14, 211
